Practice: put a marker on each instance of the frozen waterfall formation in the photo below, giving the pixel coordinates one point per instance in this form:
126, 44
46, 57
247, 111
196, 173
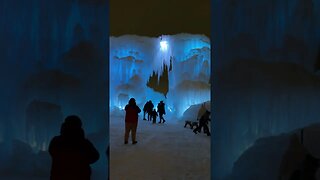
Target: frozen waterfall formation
175, 67
264, 79
52, 65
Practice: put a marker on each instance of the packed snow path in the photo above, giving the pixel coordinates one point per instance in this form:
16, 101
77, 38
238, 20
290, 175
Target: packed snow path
163, 152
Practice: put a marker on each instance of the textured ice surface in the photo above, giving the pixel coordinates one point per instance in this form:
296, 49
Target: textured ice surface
257, 99
134, 58
278, 155
263, 81
52, 53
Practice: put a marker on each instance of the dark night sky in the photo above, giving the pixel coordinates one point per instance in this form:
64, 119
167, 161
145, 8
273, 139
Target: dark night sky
156, 17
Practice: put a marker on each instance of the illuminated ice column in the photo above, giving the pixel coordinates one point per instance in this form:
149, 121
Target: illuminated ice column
163, 45
165, 52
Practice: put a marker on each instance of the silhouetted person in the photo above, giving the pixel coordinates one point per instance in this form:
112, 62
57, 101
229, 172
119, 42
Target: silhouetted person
308, 169
71, 152
203, 122
131, 119
161, 111
145, 107
149, 110
154, 115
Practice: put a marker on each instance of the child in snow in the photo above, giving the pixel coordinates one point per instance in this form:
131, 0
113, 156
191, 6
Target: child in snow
154, 115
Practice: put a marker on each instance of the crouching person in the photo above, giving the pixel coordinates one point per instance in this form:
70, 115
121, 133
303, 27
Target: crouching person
203, 122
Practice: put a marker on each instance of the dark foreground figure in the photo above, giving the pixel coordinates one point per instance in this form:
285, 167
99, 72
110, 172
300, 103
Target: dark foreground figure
71, 152
308, 169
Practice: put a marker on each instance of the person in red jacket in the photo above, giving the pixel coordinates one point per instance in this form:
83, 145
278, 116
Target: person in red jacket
131, 119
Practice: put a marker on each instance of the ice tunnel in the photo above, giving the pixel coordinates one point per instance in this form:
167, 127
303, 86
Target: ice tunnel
171, 68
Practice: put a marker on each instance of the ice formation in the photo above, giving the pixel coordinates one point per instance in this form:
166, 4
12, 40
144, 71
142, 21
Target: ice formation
53, 64
263, 73
278, 156
285, 30
133, 59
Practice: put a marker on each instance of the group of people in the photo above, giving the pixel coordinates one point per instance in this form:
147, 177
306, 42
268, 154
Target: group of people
148, 108
131, 117
72, 153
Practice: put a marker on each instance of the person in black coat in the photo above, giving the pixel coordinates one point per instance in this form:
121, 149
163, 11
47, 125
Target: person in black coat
71, 152
154, 116
145, 108
161, 111
203, 122
149, 110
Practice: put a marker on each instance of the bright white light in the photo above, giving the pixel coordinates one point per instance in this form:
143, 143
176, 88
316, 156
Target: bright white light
163, 45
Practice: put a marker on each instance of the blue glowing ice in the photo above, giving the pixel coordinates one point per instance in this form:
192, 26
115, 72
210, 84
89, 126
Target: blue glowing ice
133, 59
164, 45
35, 41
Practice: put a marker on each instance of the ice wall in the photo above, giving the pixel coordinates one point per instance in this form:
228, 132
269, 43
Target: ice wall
134, 58
272, 29
53, 53
258, 99
278, 156
264, 79
53, 57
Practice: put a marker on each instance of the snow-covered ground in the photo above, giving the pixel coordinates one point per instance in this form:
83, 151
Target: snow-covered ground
164, 151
